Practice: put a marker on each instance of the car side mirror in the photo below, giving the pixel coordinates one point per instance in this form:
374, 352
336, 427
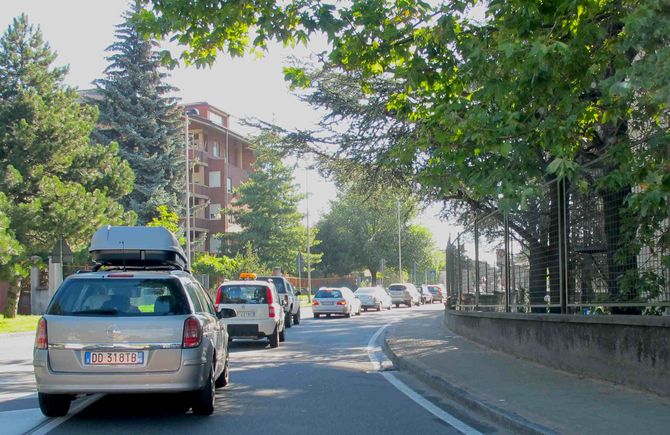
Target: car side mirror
226, 313
298, 292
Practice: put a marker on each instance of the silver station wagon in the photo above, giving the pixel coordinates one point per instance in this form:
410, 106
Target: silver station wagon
140, 323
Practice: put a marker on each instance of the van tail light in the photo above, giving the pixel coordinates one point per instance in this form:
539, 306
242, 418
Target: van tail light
315, 303
218, 295
271, 307
41, 341
341, 302
192, 333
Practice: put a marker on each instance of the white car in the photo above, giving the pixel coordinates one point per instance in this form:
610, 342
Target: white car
373, 297
259, 311
335, 300
404, 293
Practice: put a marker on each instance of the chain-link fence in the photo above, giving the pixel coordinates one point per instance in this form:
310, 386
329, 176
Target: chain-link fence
573, 248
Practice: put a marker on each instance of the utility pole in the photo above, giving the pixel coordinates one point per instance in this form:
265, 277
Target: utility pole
399, 246
309, 259
188, 194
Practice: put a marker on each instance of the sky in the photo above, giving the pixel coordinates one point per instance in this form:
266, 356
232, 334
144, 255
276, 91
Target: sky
80, 31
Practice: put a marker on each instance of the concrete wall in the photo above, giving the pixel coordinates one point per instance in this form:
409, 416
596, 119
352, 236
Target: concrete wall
634, 351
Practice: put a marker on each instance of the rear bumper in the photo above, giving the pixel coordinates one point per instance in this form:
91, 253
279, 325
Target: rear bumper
260, 329
190, 376
331, 309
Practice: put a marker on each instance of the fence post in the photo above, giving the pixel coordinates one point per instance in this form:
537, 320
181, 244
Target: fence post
477, 264
460, 269
507, 274
562, 243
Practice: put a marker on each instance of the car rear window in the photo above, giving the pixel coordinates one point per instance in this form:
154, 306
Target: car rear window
277, 281
397, 288
365, 291
434, 289
244, 294
123, 297
328, 294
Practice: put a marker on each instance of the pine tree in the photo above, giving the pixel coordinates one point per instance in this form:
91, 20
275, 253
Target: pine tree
53, 182
137, 111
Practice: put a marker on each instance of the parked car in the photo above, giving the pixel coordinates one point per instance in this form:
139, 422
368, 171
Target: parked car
258, 308
404, 293
439, 292
373, 297
426, 295
291, 302
335, 300
139, 323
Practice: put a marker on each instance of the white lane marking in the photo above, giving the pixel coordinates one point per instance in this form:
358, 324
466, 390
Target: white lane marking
55, 422
378, 363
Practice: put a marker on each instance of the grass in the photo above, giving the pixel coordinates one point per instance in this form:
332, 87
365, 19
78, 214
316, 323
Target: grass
18, 324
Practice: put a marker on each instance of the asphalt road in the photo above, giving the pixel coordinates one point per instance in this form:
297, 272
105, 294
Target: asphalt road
320, 381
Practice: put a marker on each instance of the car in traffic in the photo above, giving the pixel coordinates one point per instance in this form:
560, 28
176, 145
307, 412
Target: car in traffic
291, 303
258, 308
426, 295
439, 292
335, 300
373, 298
138, 323
404, 293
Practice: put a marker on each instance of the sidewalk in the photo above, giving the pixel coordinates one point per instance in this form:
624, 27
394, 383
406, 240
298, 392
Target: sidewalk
519, 395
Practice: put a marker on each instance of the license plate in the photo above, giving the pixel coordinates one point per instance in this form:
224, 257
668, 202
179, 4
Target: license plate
327, 303
114, 358
246, 314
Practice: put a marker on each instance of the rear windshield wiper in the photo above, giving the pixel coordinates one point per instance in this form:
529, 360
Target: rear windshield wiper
104, 311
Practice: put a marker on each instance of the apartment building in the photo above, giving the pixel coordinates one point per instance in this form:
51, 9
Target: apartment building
220, 160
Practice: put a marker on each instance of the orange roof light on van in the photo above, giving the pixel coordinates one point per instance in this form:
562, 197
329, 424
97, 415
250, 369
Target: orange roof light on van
247, 275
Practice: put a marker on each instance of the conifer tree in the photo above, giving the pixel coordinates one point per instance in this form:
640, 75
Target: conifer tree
138, 111
53, 181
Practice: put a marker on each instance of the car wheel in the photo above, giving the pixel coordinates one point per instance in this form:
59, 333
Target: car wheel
223, 378
282, 335
296, 317
397, 305
288, 319
54, 405
389, 307
347, 315
365, 309
409, 303
316, 316
274, 338
379, 306
203, 399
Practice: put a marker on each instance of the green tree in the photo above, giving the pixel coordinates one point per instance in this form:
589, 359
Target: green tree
361, 230
169, 220
266, 207
56, 183
218, 268
138, 112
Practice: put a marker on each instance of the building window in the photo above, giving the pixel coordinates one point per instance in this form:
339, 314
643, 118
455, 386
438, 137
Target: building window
216, 119
215, 179
215, 211
216, 152
229, 185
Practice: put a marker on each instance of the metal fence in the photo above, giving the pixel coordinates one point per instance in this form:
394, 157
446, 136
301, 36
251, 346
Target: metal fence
571, 249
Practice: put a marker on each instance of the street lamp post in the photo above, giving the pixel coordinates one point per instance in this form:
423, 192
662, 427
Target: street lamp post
188, 112
399, 245
309, 259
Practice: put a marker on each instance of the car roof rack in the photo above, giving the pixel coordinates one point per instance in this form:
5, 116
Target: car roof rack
137, 248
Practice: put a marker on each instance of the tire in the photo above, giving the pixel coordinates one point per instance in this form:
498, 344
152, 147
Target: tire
223, 378
203, 399
409, 303
389, 307
379, 307
274, 338
316, 316
54, 405
365, 309
397, 305
296, 317
348, 315
288, 319
282, 335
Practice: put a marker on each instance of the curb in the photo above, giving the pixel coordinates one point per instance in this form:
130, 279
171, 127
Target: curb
507, 419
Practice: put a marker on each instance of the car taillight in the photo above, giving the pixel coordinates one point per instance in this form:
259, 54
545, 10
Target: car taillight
271, 308
218, 295
192, 333
315, 303
341, 302
41, 341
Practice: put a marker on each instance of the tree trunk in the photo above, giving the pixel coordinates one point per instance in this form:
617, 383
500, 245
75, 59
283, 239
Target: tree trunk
373, 272
13, 294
